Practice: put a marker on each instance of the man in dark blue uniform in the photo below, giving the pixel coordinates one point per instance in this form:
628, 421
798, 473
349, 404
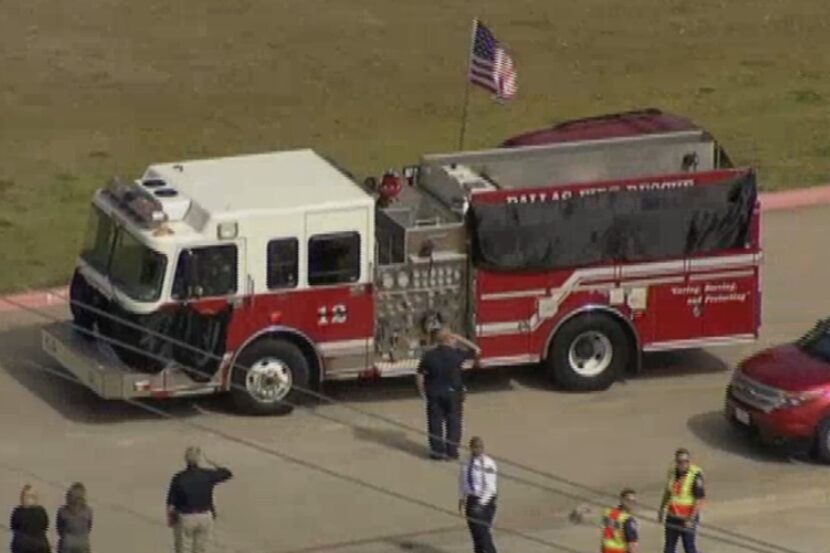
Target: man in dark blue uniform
439, 382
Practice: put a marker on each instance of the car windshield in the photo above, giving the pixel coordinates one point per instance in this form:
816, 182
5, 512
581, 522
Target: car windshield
816, 343
136, 269
98, 240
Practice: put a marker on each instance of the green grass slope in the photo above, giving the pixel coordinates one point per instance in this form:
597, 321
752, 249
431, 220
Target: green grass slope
92, 88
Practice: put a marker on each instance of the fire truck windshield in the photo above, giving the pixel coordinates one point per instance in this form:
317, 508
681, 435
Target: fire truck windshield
134, 268
97, 247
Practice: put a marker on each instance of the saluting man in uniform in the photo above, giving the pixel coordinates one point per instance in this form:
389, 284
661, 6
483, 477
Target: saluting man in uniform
477, 502
682, 502
620, 530
440, 384
190, 509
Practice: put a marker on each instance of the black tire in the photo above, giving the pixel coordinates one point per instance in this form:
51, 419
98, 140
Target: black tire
822, 445
588, 334
81, 296
282, 356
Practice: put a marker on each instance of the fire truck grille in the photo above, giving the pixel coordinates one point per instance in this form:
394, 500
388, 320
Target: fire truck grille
755, 394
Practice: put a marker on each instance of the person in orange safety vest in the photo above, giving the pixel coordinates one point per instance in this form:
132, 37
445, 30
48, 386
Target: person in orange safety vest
682, 501
620, 530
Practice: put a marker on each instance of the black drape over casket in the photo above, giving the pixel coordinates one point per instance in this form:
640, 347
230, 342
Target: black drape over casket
621, 226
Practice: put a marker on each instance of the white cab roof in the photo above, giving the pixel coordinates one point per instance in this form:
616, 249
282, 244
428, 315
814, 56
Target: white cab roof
275, 181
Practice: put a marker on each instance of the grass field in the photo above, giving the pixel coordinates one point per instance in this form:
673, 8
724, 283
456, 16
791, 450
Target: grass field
93, 88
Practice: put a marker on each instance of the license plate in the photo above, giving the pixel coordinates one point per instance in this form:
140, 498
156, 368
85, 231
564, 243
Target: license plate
742, 416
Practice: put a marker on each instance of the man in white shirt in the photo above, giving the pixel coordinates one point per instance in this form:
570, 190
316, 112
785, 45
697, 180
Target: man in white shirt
477, 490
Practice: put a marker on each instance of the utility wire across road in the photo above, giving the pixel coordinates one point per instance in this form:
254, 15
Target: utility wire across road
273, 452
734, 538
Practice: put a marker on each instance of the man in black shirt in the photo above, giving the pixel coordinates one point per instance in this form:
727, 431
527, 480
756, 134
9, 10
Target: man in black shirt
190, 509
439, 382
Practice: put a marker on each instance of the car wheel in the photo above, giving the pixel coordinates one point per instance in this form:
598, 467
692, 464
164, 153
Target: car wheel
269, 377
588, 353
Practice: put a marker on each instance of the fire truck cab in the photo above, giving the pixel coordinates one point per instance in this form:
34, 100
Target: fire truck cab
198, 255
266, 275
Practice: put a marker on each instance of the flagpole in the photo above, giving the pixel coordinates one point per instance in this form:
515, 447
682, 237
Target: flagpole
467, 88
464, 117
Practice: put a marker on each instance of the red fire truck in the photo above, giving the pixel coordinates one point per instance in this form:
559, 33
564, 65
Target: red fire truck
266, 275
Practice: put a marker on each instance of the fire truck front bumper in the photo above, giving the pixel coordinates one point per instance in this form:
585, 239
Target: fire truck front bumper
97, 367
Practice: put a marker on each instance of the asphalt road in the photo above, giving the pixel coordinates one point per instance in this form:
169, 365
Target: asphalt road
55, 432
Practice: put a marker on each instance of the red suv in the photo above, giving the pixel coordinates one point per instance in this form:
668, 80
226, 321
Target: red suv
783, 393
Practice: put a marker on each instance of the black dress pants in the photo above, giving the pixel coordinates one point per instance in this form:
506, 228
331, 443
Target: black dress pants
444, 412
479, 520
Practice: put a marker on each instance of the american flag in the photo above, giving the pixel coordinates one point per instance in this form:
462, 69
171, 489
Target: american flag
491, 67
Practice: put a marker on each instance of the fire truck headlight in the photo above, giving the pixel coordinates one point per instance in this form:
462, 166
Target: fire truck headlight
227, 230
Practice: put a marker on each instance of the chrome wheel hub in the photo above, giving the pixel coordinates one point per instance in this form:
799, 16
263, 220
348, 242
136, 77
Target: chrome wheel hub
590, 353
268, 380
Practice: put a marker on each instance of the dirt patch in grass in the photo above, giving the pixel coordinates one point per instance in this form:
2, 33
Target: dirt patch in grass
92, 88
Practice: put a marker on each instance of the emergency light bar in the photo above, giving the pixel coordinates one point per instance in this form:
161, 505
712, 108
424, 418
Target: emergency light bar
137, 202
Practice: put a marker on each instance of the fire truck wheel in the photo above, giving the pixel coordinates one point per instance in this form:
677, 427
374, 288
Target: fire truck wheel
822, 448
588, 353
267, 376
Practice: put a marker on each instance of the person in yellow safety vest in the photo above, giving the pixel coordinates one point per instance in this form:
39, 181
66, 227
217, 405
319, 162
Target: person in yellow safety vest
682, 501
620, 530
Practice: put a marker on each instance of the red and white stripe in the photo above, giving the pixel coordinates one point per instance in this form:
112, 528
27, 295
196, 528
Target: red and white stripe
595, 279
504, 74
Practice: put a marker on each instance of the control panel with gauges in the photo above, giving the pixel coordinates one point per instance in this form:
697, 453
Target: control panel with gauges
414, 298
422, 279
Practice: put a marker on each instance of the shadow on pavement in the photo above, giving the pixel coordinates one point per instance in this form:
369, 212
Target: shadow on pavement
410, 541
22, 359
416, 547
392, 389
665, 364
717, 432
393, 439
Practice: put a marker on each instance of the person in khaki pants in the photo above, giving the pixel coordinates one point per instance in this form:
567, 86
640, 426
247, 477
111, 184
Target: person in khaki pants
190, 510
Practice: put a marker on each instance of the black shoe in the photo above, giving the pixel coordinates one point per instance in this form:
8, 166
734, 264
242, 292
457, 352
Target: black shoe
437, 456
